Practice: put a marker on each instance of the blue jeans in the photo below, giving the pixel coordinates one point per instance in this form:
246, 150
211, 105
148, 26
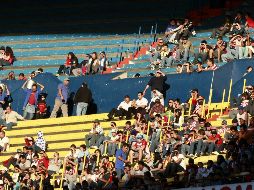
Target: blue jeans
81, 108
119, 173
8, 125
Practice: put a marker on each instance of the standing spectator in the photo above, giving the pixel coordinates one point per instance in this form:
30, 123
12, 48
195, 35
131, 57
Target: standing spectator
22, 77
156, 83
4, 142
122, 109
121, 160
10, 118
82, 98
40, 141
103, 61
61, 99
41, 112
30, 102
4, 96
93, 64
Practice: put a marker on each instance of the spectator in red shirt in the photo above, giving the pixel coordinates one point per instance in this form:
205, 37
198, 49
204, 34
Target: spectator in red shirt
137, 148
214, 143
43, 162
68, 63
31, 100
41, 108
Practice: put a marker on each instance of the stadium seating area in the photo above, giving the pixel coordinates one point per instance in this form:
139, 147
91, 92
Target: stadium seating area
218, 149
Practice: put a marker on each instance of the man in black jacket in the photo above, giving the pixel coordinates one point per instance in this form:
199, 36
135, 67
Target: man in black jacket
82, 98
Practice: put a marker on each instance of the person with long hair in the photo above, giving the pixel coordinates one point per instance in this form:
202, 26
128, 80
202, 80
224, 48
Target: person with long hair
7, 57
93, 64
70, 60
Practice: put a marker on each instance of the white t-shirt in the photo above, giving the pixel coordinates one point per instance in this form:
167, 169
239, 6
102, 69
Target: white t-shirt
4, 141
142, 102
124, 105
141, 172
182, 163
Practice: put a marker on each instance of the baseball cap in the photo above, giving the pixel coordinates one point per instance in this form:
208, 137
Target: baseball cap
66, 79
96, 121
234, 120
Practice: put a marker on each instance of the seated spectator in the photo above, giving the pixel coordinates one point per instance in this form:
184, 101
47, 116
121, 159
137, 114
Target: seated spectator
186, 31
112, 143
248, 70
157, 108
10, 118
236, 29
185, 49
4, 142
219, 48
121, 110
7, 57
249, 21
70, 60
211, 66
93, 139
11, 76
175, 164
138, 148
205, 51
221, 31
22, 77
138, 106
54, 164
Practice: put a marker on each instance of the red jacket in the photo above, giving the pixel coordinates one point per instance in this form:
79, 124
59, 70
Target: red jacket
42, 107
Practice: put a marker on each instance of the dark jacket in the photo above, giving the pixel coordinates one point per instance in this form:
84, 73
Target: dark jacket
83, 95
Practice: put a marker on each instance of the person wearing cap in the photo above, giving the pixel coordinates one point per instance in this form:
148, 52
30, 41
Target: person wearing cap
204, 51
61, 99
137, 148
82, 99
184, 50
31, 99
92, 138
156, 83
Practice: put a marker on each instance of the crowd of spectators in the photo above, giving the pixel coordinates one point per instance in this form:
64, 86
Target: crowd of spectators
92, 64
189, 59
149, 153
155, 151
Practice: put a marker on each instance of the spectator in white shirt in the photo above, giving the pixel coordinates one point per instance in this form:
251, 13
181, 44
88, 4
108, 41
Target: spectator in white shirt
138, 106
4, 142
10, 118
122, 109
95, 136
